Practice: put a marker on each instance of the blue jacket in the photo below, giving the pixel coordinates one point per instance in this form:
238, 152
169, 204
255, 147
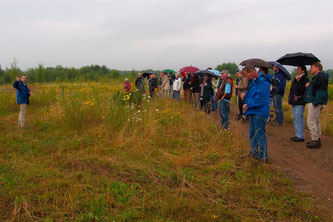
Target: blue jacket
257, 97
280, 80
22, 92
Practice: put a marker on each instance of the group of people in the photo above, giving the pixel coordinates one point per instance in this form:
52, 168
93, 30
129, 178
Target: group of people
255, 90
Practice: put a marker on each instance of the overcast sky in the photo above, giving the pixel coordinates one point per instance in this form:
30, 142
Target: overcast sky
159, 34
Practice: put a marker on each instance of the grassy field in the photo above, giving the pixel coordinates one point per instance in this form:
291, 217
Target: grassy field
92, 153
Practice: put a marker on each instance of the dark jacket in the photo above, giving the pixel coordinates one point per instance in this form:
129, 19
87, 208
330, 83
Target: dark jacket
221, 93
186, 85
297, 90
280, 80
208, 91
153, 84
316, 93
195, 83
257, 97
140, 84
22, 92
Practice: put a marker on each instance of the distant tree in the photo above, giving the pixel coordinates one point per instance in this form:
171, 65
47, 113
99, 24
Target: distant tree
40, 73
14, 70
230, 66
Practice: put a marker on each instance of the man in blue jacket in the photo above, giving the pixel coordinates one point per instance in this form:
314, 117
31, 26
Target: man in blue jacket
257, 99
280, 80
23, 93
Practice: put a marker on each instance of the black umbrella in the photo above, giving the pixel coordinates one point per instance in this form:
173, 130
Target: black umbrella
202, 73
299, 58
147, 74
256, 63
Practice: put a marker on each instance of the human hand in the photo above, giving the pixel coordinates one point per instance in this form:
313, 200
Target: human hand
244, 108
17, 78
307, 84
243, 96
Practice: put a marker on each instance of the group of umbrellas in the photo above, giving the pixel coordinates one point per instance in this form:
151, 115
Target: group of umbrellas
292, 59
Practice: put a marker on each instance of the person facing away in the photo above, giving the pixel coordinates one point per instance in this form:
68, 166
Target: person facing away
316, 96
241, 87
140, 83
22, 96
257, 101
224, 95
296, 100
195, 90
165, 85
186, 86
280, 79
127, 85
177, 84
208, 92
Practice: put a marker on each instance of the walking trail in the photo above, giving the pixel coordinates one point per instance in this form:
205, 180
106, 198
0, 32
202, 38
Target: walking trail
311, 170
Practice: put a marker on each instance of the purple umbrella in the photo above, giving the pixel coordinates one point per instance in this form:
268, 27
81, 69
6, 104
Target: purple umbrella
282, 69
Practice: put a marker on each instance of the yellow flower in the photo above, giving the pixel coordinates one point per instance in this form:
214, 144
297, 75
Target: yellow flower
126, 97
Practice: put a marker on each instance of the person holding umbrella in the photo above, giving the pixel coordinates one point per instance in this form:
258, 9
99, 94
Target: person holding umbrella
195, 90
296, 100
280, 79
316, 96
257, 101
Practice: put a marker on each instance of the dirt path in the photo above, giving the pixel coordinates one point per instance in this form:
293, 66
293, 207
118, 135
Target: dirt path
311, 170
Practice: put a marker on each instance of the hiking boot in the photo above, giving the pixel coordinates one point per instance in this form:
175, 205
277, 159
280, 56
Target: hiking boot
298, 140
314, 144
314, 140
293, 138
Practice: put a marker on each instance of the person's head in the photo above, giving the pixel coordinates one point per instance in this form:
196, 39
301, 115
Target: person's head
301, 69
263, 70
24, 78
161, 74
126, 80
140, 74
207, 77
276, 69
177, 75
250, 72
240, 74
151, 76
224, 74
192, 74
316, 68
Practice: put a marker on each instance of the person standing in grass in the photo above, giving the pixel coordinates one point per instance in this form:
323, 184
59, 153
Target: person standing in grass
195, 90
316, 96
280, 79
224, 95
297, 103
241, 87
23, 93
127, 85
165, 85
257, 101
186, 86
177, 84
140, 83
153, 84
208, 92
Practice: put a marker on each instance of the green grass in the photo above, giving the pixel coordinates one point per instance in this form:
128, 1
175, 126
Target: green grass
150, 161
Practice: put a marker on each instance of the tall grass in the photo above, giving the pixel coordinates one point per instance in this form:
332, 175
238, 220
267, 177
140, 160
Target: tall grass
94, 153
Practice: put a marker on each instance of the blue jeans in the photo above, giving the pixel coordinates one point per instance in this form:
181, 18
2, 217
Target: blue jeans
298, 116
214, 105
176, 95
224, 110
277, 101
258, 138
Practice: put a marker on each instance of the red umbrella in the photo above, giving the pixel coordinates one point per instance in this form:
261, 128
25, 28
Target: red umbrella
190, 69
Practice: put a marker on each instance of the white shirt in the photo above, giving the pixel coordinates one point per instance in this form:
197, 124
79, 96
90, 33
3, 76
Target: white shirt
177, 84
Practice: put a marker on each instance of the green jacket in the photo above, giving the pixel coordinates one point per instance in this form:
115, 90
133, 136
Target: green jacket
316, 93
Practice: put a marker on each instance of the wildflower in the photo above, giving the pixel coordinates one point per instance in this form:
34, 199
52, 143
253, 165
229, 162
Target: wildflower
126, 97
157, 110
214, 216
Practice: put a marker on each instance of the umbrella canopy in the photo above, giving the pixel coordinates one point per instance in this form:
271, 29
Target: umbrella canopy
256, 63
168, 71
190, 69
298, 58
216, 72
147, 74
282, 69
202, 73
